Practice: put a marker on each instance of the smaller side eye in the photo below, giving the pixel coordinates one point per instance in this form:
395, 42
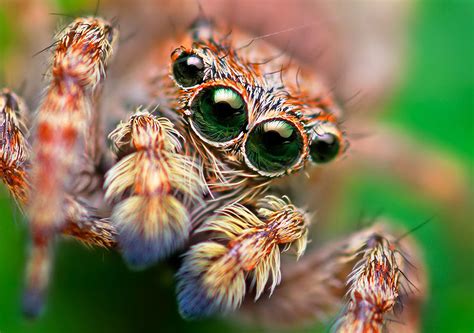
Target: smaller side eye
188, 69
326, 143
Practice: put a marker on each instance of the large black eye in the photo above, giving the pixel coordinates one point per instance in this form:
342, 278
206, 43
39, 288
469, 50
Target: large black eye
324, 147
219, 113
188, 70
274, 146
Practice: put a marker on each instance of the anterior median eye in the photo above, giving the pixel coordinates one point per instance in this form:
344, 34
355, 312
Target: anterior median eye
188, 70
274, 146
325, 145
219, 113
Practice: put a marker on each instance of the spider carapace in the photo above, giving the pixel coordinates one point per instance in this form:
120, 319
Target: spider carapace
191, 172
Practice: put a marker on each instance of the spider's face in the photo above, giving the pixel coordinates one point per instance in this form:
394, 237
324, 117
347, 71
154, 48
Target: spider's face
247, 119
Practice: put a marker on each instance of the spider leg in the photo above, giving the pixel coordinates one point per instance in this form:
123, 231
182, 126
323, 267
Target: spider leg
14, 148
85, 225
63, 138
80, 220
212, 278
378, 274
150, 188
65, 121
80, 223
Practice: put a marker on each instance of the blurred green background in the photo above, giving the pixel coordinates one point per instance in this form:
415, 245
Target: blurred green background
94, 292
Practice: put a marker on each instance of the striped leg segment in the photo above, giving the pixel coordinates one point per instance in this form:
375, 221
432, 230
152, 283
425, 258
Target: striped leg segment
65, 117
80, 220
150, 188
212, 278
39, 179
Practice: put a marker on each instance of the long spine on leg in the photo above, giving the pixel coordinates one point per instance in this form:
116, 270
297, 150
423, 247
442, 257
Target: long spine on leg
150, 186
212, 277
59, 140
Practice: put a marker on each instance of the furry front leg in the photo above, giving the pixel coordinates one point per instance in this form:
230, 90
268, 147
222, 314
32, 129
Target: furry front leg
244, 243
151, 188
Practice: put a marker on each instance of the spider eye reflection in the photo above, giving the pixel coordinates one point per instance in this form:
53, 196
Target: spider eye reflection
274, 146
324, 147
188, 70
219, 113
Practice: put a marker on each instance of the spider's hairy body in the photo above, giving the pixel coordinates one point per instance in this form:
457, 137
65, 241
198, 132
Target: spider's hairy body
231, 114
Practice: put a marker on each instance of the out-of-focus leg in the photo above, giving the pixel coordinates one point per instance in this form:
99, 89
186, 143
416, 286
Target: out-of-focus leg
80, 220
432, 172
63, 138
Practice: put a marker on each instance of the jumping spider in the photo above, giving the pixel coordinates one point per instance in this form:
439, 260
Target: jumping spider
192, 173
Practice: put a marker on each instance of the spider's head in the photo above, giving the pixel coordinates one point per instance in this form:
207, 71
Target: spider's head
249, 116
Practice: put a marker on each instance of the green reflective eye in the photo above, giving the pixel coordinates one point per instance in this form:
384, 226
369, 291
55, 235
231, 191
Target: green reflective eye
219, 114
274, 146
324, 148
188, 70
